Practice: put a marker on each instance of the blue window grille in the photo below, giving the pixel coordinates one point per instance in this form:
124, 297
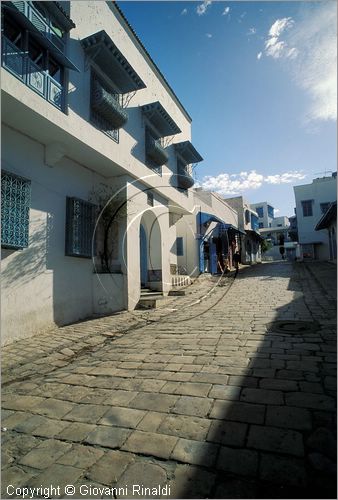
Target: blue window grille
254, 222
80, 225
179, 247
15, 203
260, 212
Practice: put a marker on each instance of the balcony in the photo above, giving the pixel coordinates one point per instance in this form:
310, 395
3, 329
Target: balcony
184, 178
106, 105
155, 151
46, 31
21, 66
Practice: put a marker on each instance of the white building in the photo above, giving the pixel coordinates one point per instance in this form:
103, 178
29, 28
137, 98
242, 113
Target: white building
89, 122
265, 212
250, 247
312, 201
328, 222
207, 239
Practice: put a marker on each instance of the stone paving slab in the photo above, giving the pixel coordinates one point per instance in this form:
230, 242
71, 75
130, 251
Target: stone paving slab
208, 402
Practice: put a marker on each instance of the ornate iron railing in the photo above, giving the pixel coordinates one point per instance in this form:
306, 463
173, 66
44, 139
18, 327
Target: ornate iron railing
80, 225
44, 26
15, 204
155, 151
184, 177
106, 104
20, 65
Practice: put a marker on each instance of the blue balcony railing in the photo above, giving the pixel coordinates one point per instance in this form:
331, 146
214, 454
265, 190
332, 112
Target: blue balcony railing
44, 26
20, 65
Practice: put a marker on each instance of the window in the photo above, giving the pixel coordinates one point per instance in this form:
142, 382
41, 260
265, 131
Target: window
260, 213
247, 217
155, 153
270, 211
260, 225
150, 199
106, 112
179, 247
80, 224
15, 203
324, 207
307, 208
279, 225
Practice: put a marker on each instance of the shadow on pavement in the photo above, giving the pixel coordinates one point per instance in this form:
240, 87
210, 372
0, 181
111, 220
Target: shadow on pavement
275, 420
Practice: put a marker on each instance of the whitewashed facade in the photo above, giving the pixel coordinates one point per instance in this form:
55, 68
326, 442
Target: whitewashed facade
87, 118
208, 237
312, 201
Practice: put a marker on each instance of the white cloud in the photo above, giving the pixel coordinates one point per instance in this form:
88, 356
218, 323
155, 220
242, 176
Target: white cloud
208, 35
252, 31
315, 69
233, 184
259, 55
276, 48
284, 178
309, 49
202, 8
184, 12
280, 25
226, 11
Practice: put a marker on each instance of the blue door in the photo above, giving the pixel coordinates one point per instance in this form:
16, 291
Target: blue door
143, 256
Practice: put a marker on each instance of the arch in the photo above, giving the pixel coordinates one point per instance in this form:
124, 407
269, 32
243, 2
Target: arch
150, 250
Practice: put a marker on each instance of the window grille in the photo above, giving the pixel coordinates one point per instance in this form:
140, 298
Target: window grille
98, 119
307, 208
15, 203
324, 207
179, 247
80, 225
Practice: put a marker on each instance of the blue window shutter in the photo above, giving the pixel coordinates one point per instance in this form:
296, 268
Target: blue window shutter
80, 225
179, 247
15, 204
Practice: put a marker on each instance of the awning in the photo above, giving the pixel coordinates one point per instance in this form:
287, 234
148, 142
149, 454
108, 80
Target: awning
44, 38
254, 233
112, 62
160, 119
187, 152
329, 216
233, 228
204, 218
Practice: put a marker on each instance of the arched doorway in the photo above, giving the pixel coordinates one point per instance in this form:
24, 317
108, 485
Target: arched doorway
150, 252
143, 256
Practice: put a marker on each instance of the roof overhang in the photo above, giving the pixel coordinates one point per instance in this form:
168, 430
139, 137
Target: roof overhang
326, 219
57, 10
187, 152
160, 119
252, 232
111, 61
205, 218
232, 228
42, 37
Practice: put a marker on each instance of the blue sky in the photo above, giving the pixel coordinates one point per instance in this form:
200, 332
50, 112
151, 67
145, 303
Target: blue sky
259, 81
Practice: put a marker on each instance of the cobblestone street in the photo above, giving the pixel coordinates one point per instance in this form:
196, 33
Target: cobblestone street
204, 395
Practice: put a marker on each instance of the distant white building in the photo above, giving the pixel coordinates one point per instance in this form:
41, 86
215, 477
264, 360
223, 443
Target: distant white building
265, 212
312, 201
97, 165
208, 238
248, 223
